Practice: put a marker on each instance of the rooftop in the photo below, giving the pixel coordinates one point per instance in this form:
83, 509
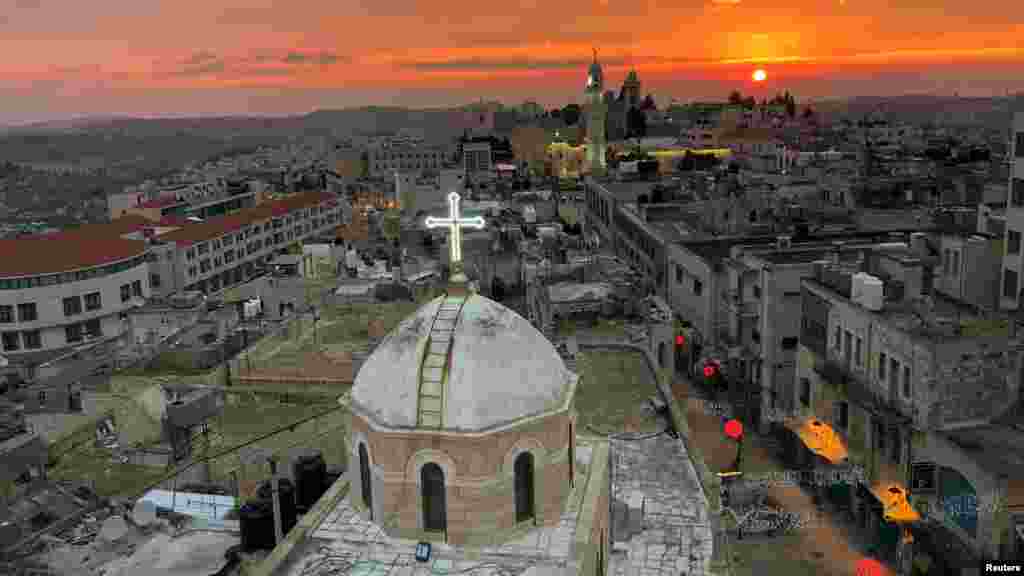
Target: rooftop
76, 249
626, 191
346, 544
208, 230
718, 249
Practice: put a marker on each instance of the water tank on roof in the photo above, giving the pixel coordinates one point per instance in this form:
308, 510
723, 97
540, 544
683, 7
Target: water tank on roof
857, 286
873, 293
256, 522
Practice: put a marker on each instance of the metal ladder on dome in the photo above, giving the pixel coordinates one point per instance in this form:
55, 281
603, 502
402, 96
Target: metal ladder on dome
433, 370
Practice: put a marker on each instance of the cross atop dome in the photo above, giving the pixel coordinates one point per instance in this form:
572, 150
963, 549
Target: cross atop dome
455, 223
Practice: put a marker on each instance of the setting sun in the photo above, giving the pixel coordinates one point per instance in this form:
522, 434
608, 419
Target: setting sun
759, 75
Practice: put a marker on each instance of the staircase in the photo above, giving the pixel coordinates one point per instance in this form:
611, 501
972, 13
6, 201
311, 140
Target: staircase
433, 370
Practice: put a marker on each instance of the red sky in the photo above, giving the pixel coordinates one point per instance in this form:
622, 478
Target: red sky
152, 57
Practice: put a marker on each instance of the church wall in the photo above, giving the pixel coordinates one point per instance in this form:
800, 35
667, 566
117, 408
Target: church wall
479, 477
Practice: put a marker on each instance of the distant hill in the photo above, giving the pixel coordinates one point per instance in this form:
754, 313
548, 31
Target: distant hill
943, 110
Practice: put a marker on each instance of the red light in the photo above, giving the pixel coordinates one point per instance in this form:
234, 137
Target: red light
680, 340
709, 371
734, 429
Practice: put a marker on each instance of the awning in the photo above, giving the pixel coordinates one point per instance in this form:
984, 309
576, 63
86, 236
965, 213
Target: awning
820, 438
895, 506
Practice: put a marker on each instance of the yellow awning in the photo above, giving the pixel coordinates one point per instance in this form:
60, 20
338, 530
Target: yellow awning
895, 505
820, 438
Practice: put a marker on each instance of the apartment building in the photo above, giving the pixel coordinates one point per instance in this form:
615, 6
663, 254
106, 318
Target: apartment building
212, 255
385, 160
920, 388
1013, 259
66, 289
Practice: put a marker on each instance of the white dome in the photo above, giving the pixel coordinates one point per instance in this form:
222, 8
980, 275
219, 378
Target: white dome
500, 369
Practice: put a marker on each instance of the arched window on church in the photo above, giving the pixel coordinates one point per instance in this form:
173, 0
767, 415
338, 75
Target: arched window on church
364, 473
524, 487
572, 454
435, 518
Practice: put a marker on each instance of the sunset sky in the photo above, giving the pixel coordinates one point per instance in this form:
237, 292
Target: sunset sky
60, 58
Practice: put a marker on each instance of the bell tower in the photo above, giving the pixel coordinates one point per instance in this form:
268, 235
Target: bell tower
597, 112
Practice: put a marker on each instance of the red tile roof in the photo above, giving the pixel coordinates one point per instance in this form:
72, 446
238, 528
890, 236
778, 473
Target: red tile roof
84, 247
195, 232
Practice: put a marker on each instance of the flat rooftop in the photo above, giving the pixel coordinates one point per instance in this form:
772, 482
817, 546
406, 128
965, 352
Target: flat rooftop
347, 544
717, 249
626, 191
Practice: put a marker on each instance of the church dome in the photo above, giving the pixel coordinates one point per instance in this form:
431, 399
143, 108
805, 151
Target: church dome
464, 369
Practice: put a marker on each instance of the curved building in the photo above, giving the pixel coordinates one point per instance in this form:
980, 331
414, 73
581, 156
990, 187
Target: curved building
64, 290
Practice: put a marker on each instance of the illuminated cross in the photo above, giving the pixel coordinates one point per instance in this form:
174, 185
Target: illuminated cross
455, 224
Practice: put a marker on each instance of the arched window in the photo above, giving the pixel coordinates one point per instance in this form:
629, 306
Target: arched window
435, 518
572, 455
364, 473
524, 487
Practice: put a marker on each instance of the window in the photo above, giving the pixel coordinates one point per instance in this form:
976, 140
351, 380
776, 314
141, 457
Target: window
1012, 242
1019, 148
894, 375
841, 414
154, 280
847, 346
790, 342
434, 498
10, 341
190, 254
896, 446
880, 435
72, 306
1010, 283
698, 287
679, 274
93, 328
27, 312
838, 344
1017, 192
805, 391
956, 263
524, 497
946, 260
906, 382
73, 333
93, 301
757, 291
364, 475
32, 339
137, 288
126, 292
857, 352
41, 396
882, 359
6, 314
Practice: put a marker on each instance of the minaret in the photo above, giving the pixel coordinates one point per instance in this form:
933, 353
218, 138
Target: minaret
597, 112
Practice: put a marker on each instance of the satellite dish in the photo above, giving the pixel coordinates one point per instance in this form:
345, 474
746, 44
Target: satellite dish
114, 528
144, 513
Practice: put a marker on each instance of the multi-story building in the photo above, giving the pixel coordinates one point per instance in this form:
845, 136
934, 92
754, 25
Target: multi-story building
1013, 259
477, 158
66, 289
211, 255
384, 161
920, 388
197, 199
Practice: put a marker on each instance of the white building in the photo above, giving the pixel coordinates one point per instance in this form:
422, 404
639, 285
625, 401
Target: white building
67, 289
477, 157
1013, 259
384, 160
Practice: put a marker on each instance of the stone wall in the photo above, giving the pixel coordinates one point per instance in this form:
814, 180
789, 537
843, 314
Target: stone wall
479, 475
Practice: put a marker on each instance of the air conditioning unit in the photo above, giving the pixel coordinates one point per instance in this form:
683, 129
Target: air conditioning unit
784, 242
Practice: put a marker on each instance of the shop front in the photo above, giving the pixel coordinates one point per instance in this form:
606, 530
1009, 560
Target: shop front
813, 447
887, 517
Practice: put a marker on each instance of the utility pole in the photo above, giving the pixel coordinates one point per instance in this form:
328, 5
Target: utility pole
276, 498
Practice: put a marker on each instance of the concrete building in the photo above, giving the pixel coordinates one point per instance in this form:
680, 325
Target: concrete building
907, 378
477, 158
1013, 260
220, 252
62, 290
596, 112
385, 160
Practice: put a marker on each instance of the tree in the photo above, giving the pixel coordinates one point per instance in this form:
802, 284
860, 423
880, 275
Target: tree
556, 113
648, 103
571, 114
735, 97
